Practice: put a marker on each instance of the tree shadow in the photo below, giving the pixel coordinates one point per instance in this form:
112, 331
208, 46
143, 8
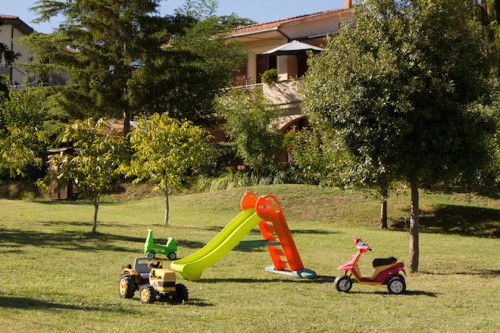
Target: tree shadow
65, 240
26, 303
83, 224
312, 232
187, 244
486, 273
76, 202
458, 219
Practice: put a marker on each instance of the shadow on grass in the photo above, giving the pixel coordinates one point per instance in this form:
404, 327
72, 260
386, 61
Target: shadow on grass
34, 304
312, 232
186, 243
406, 293
458, 219
198, 302
77, 202
487, 273
66, 240
318, 280
83, 224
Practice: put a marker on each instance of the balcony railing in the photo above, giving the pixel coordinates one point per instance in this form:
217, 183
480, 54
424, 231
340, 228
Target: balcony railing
284, 93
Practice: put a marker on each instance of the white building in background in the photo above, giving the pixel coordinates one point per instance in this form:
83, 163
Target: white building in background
13, 27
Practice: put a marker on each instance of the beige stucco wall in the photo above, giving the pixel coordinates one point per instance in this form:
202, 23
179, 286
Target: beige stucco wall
259, 42
18, 74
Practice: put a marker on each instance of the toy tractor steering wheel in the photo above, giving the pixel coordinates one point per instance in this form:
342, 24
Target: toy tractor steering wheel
157, 263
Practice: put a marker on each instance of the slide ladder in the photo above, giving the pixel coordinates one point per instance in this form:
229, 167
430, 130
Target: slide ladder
274, 229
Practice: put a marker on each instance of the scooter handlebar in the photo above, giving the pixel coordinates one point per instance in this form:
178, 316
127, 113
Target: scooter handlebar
361, 246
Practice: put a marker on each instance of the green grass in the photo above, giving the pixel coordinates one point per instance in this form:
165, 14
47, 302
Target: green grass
57, 276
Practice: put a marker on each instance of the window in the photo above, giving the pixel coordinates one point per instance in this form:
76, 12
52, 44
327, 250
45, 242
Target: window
265, 62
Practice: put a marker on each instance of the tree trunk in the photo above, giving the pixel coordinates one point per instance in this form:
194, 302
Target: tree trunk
96, 208
383, 214
126, 123
383, 209
414, 218
167, 207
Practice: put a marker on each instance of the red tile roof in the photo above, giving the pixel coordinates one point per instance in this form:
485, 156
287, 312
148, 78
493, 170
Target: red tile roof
8, 16
22, 26
277, 23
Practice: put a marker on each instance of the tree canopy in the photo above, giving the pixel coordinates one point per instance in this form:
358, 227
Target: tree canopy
164, 152
396, 88
251, 123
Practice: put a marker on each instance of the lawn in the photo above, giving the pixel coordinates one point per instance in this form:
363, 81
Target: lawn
57, 276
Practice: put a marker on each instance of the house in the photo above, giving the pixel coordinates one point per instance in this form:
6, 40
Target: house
11, 28
260, 38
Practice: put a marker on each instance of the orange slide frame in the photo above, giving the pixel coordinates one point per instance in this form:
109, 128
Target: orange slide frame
274, 229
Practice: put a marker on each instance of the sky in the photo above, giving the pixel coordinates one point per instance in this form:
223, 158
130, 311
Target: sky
257, 10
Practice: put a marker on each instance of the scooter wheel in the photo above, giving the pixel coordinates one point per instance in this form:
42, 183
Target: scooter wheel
172, 256
396, 285
343, 283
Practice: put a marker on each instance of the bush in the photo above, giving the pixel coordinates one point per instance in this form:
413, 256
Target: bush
269, 76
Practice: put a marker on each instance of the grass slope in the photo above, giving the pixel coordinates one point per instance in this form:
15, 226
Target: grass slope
59, 277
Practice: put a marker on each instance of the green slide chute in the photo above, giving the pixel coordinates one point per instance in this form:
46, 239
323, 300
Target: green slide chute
191, 267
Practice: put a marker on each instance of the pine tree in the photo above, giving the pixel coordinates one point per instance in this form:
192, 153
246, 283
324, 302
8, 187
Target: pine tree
104, 45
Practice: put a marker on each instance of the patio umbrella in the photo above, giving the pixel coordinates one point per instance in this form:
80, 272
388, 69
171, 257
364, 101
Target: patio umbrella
294, 47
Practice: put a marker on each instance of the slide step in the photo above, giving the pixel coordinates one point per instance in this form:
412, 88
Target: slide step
279, 252
285, 265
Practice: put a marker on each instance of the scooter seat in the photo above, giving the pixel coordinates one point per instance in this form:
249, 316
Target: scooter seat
383, 261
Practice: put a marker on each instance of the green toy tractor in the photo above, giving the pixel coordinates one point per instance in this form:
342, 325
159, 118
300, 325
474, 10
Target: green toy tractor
151, 250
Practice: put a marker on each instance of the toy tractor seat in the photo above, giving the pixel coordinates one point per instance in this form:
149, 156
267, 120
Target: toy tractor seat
141, 266
383, 261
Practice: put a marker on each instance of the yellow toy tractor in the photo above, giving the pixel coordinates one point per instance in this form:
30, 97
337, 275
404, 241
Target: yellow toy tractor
151, 280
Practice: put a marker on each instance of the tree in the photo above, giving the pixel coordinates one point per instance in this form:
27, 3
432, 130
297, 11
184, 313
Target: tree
164, 151
103, 45
23, 141
95, 165
197, 64
395, 88
19, 149
251, 124
319, 157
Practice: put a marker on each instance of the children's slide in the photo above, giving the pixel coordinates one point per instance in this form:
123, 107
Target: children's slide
191, 267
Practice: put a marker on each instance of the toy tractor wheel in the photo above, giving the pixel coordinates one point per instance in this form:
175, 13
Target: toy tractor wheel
396, 285
343, 283
127, 287
151, 255
181, 293
147, 294
172, 255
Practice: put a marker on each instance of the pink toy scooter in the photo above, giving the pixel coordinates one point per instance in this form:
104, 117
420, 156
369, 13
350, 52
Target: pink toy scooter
386, 272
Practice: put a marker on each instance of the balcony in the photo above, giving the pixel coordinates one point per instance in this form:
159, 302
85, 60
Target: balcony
285, 93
